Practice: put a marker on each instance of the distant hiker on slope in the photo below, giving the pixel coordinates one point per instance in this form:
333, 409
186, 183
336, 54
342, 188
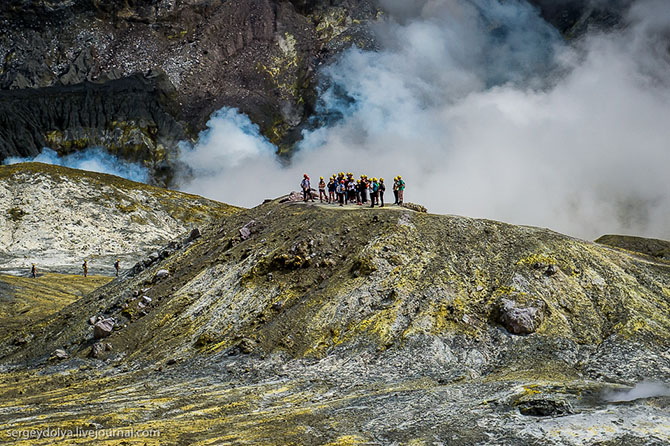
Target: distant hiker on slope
306, 188
117, 264
33, 271
84, 266
322, 191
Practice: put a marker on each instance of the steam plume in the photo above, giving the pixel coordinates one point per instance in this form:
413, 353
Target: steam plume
485, 112
644, 389
94, 160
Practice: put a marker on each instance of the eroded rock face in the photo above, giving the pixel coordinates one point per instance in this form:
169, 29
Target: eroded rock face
182, 59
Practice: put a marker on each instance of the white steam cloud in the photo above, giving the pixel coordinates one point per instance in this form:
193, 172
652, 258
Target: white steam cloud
644, 389
485, 112
93, 159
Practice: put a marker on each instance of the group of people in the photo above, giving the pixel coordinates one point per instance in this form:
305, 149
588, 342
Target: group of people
84, 267
343, 188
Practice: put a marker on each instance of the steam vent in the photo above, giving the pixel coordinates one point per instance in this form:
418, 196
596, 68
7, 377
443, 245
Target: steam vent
273, 222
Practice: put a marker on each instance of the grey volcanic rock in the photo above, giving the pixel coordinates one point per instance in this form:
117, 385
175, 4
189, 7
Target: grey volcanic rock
103, 328
521, 319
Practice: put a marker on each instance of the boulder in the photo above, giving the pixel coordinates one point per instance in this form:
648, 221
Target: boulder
60, 354
552, 270
195, 234
247, 230
245, 233
545, 407
103, 328
415, 207
97, 350
160, 275
521, 319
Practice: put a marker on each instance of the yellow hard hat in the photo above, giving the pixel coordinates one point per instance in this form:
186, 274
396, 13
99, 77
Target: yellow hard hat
374, 179
381, 179
399, 177
322, 178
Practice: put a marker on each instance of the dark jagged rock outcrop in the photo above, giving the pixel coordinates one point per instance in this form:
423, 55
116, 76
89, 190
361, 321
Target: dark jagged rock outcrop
261, 56
649, 246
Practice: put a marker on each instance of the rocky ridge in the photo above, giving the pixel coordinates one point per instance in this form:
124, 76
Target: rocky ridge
291, 323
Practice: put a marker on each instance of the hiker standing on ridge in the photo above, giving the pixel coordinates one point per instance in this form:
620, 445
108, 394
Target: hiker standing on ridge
117, 264
322, 190
33, 272
341, 191
382, 188
332, 186
364, 189
395, 190
84, 266
351, 189
374, 191
306, 188
401, 190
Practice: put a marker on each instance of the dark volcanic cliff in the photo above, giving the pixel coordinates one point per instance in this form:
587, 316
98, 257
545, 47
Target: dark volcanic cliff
185, 60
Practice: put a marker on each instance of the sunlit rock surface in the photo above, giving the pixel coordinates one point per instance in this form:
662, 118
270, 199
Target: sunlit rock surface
56, 217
